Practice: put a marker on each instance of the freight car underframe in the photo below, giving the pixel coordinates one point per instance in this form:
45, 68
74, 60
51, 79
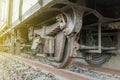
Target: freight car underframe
73, 30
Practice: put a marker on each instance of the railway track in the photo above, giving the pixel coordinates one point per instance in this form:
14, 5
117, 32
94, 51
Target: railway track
76, 71
48, 72
104, 70
100, 73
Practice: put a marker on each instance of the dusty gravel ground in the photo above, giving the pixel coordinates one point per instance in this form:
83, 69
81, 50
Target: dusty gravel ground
14, 70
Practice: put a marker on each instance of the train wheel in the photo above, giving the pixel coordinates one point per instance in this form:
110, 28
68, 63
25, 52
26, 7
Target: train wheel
96, 59
66, 59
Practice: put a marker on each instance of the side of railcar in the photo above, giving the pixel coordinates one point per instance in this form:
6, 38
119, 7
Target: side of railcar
4, 24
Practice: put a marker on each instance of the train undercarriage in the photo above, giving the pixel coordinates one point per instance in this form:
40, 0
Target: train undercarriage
64, 32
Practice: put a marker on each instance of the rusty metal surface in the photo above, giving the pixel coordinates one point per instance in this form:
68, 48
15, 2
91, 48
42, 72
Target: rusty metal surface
59, 43
53, 29
59, 72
